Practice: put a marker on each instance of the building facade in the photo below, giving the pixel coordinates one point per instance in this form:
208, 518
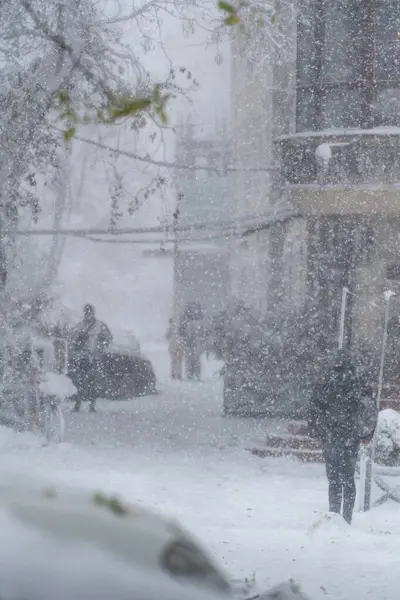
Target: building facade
334, 147
201, 256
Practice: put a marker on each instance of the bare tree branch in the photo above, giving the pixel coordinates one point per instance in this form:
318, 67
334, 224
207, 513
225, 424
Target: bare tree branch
167, 164
60, 42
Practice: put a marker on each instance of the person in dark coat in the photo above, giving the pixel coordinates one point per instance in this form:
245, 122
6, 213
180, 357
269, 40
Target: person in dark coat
191, 330
175, 348
90, 339
337, 419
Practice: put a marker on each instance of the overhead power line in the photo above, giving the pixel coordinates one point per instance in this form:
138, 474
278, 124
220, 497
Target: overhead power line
171, 165
240, 226
204, 231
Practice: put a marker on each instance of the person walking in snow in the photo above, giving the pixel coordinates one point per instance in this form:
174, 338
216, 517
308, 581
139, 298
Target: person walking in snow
90, 339
342, 414
192, 332
175, 348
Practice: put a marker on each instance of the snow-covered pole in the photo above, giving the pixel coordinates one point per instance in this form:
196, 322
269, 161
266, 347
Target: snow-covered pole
345, 292
388, 296
65, 357
371, 451
176, 218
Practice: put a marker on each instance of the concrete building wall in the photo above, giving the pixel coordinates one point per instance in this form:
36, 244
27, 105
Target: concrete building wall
263, 107
374, 277
201, 265
202, 277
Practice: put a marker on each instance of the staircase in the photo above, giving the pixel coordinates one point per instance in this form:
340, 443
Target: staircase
296, 442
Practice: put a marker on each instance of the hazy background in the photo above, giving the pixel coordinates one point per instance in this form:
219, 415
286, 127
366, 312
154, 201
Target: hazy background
129, 290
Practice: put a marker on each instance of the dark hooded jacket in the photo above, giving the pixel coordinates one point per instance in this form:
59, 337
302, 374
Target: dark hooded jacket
336, 412
191, 322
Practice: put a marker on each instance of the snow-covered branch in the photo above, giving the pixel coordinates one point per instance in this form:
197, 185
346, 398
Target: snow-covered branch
147, 159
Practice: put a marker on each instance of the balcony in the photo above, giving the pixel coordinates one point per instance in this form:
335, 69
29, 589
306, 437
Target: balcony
342, 171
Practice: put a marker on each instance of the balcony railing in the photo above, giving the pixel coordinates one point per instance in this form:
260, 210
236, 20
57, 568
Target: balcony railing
341, 158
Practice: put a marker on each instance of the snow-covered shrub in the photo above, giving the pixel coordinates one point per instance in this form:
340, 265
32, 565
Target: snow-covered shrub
278, 363
387, 439
19, 323
57, 385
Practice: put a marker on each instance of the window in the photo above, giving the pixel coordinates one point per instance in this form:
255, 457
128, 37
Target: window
393, 272
341, 107
387, 108
342, 41
388, 40
348, 64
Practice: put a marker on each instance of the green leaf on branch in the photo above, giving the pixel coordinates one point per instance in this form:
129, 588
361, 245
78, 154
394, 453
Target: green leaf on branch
69, 134
226, 7
162, 115
232, 20
128, 107
63, 97
233, 17
70, 114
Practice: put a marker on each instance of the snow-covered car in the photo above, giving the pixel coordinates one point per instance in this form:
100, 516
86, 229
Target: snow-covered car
89, 545
132, 534
126, 372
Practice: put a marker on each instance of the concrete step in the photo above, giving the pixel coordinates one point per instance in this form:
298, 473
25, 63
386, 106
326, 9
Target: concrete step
294, 442
308, 456
298, 428
298, 444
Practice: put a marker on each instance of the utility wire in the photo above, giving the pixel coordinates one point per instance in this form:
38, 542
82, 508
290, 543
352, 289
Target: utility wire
250, 224
223, 235
170, 165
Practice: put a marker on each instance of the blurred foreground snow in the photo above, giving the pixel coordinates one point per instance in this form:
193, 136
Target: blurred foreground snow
175, 453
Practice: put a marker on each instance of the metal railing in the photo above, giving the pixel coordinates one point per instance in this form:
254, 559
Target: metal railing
362, 159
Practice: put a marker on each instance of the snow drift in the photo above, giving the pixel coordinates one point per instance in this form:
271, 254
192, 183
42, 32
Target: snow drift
387, 449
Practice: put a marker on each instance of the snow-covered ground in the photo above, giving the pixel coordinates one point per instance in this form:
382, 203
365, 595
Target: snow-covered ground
175, 452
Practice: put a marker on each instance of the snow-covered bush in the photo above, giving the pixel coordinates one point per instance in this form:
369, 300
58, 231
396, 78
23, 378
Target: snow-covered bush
278, 363
57, 385
387, 440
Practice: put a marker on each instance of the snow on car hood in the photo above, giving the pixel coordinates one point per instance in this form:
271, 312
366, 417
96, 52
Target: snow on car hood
35, 566
130, 532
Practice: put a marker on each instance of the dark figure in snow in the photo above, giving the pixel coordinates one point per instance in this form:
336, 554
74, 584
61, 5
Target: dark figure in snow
192, 333
342, 415
175, 348
90, 339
